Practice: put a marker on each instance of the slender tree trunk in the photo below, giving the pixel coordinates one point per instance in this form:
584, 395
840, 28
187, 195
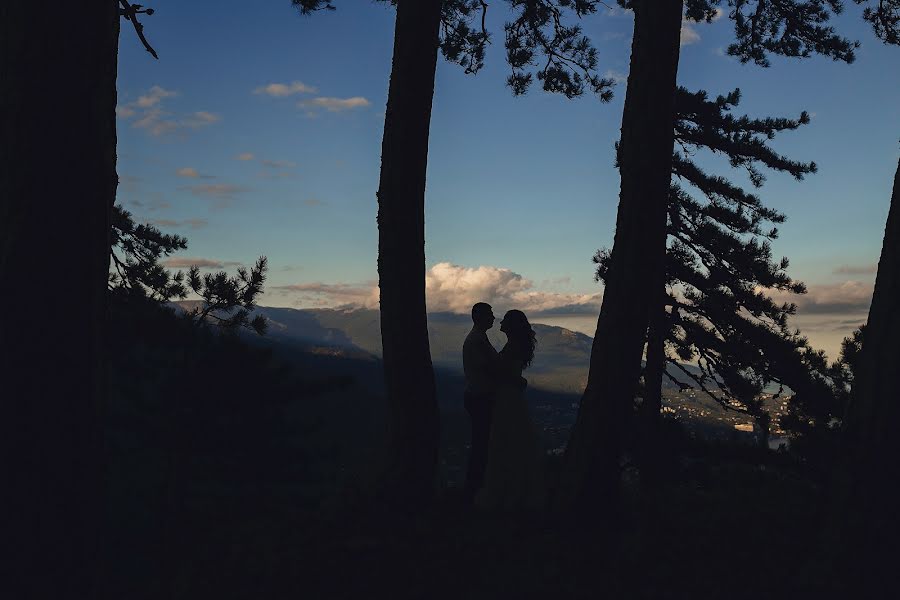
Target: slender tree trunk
409, 376
591, 469
57, 186
865, 520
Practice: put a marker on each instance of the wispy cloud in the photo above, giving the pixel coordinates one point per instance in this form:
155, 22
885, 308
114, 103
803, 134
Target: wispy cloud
616, 76
847, 298
334, 104
221, 193
151, 116
856, 270
313, 202
192, 173
280, 90
192, 223
278, 164
244, 156
203, 263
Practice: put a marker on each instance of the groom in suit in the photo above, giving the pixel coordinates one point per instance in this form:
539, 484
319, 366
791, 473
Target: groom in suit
479, 364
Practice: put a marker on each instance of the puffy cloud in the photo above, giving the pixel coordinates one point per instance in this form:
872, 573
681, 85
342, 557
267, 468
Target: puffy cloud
335, 104
279, 90
454, 288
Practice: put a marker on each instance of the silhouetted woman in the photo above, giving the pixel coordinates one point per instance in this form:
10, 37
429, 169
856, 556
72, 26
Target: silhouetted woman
514, 477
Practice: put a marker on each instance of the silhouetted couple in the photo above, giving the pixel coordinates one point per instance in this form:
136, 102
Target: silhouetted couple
506, 462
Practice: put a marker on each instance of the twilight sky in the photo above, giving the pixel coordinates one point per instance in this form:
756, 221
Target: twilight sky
259, 132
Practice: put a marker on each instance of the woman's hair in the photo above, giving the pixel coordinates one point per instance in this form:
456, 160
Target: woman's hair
520, 334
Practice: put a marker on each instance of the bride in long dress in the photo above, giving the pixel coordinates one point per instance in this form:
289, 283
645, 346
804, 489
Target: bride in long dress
514, 477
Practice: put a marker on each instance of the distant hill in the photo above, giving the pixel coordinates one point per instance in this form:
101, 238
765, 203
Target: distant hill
335, 342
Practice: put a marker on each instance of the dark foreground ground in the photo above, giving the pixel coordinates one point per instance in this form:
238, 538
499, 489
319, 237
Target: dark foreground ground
232, 477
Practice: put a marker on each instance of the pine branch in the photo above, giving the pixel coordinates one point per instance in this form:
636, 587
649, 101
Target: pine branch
130, 12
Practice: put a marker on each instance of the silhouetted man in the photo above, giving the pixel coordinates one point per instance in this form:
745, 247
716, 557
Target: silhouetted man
479, 362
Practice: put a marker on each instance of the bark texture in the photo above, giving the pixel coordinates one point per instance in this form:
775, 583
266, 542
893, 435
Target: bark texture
866, 519
57, 186
409, 376
591, 469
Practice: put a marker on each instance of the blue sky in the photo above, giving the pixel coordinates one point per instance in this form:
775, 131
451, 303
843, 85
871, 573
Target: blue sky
521, 191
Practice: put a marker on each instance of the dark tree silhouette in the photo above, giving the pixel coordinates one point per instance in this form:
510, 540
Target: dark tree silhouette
226, 301
636, 272
134, 253
865, 517
712, 310
57, 187
457, 27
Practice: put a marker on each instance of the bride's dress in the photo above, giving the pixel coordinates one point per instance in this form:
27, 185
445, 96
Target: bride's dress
514, 477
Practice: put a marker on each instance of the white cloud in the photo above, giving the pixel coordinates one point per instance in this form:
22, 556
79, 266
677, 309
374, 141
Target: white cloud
279, 90
454, 288
616, 76
152, 117
335, 104
846, 298
689, 33
154, 97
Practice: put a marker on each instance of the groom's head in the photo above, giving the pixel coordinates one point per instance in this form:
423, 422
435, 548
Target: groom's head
483, 316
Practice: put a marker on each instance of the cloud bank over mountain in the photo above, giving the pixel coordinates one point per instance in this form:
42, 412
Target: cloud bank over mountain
453, 288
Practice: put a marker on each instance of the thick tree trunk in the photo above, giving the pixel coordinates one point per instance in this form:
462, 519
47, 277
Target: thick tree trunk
651, 405
57, 186
866, 518
409, 376
591, 469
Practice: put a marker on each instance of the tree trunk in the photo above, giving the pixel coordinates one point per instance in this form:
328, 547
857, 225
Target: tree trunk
57, 187
651, 406
866, 517
409, 376
591, 469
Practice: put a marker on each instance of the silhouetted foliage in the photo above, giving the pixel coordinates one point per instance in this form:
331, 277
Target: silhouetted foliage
884, 17
228, 301
539, 43
816, 409
135, 252
719, 258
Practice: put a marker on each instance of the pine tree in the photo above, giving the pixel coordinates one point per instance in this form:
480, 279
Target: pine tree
136, 271
568, 66
713, 310
636, 269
